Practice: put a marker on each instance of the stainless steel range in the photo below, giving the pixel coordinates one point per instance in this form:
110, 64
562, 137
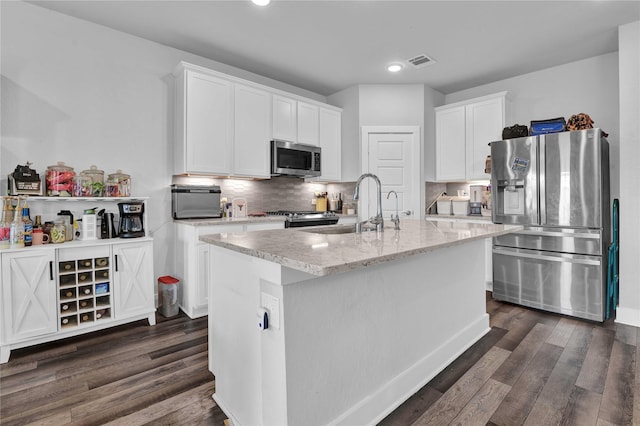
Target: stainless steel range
297, 219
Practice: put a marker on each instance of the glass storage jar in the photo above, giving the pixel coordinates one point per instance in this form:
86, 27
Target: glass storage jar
82, 186
59, 180
97, 180
58, 234
118, 182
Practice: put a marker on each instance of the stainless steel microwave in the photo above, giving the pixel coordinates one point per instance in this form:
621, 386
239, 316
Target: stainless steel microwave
294, 159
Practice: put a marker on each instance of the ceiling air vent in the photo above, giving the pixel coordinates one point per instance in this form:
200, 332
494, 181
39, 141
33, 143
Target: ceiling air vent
421, 61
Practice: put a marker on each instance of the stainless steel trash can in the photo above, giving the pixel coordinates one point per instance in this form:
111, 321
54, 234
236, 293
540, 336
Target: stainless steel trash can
169, 288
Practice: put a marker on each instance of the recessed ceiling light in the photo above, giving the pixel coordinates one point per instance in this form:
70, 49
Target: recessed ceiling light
261, 2
394, 67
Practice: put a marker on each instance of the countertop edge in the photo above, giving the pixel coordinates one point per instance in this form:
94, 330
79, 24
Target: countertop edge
319, 270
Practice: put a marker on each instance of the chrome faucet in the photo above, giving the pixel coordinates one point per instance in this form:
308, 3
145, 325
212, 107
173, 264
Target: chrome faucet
396, 219
376, 220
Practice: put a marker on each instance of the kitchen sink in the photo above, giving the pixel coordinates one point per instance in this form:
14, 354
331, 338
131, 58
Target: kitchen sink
334, 229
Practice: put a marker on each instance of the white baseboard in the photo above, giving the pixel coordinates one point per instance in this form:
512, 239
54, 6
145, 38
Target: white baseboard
628, 316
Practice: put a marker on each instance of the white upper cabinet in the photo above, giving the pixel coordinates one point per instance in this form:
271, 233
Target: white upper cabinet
485, 121
224, 124
285, 118
308, 123
450, 144
203, 124
463, 133
252, 127
330, 137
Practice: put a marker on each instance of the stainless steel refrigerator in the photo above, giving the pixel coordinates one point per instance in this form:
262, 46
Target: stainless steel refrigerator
557, 186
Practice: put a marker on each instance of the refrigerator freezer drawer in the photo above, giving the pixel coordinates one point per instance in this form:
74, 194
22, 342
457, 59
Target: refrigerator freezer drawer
578, 241
563, 283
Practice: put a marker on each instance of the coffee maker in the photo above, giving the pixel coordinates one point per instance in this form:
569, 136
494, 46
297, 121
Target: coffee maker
131, 223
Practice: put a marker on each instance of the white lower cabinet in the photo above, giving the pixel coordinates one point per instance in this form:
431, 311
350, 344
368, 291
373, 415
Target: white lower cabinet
192, 260
133, 278
28, 297
52, 292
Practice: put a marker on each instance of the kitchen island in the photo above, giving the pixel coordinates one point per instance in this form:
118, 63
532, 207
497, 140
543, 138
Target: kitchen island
357, 323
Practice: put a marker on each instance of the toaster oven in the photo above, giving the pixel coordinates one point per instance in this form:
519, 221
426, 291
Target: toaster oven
195, 201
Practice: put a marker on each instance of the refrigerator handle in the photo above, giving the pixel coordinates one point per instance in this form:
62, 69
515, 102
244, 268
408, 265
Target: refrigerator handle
542, 187
546, 258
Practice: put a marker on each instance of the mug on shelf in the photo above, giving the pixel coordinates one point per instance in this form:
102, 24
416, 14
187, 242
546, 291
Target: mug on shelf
39, 237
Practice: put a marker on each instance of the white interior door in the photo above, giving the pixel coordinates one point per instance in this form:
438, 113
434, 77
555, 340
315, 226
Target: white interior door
393, 154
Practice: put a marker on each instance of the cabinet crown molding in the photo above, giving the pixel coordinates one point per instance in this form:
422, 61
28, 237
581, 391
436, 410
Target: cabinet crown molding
504, 94
186, 66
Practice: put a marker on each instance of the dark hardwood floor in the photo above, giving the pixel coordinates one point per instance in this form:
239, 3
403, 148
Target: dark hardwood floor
532, 368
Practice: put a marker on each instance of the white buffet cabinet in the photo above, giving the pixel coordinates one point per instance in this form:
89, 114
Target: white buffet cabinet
53, 291
192, 256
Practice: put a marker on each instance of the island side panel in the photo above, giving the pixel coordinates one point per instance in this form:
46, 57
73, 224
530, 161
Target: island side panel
360, 343
236, 356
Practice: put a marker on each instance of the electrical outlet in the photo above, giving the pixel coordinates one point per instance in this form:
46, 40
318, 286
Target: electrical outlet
313, 201
272, 304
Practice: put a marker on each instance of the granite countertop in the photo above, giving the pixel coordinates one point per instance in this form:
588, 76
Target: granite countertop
324, 254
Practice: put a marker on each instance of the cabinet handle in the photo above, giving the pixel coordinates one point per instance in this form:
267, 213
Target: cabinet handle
116, 259
51, 270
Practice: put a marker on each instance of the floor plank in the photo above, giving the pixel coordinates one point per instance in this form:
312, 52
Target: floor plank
582, 409
518, 361
455, 399
517, 404
617, 398
554, 397
562, 332
479, 410
594, 369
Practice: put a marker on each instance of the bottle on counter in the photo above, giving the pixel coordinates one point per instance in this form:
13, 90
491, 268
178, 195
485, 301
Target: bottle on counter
5, 223
16, 232
28, 226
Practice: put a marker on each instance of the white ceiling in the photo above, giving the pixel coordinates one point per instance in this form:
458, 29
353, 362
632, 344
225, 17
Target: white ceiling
327, 46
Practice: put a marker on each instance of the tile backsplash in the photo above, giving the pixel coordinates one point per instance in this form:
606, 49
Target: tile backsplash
292, 193
277, 193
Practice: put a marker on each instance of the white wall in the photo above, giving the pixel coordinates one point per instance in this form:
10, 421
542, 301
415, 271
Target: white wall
81, 93
392, 105
629, 57
589, 86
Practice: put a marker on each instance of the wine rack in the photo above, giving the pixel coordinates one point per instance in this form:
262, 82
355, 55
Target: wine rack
85, 287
